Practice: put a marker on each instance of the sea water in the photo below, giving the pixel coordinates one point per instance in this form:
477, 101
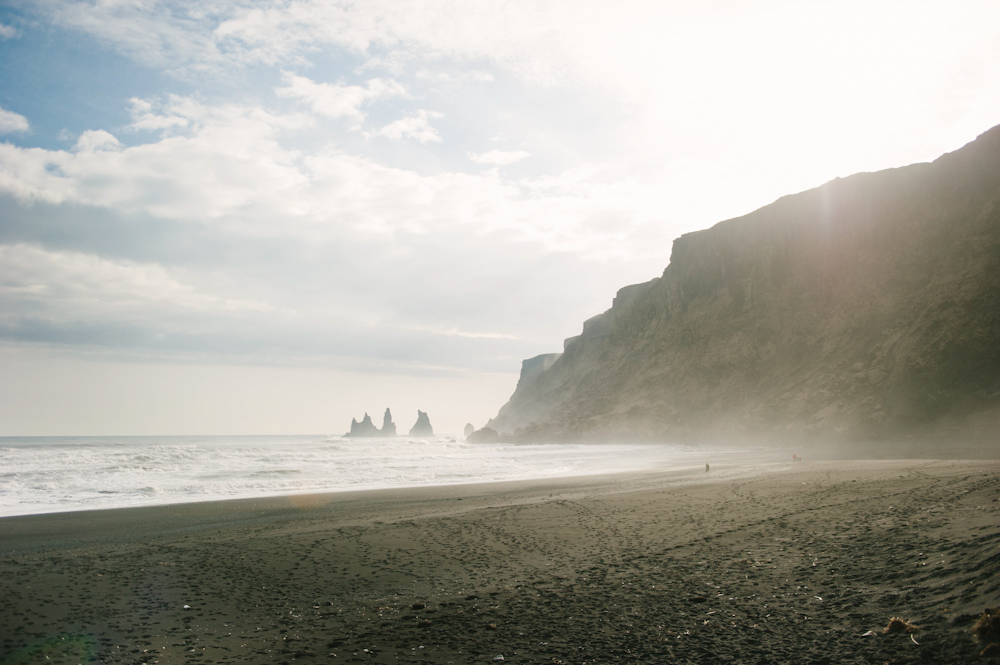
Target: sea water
56, 474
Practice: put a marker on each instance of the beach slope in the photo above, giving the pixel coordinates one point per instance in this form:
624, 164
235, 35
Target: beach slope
769, 563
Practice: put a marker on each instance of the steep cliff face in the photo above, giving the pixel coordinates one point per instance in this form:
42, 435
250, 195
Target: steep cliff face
867, 306
533, 399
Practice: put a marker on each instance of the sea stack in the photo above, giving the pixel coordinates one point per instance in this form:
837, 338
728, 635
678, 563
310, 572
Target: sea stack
469, 429
388, 427
422, 426
365, 428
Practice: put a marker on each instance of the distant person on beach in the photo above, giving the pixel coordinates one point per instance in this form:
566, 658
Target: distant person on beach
706, 468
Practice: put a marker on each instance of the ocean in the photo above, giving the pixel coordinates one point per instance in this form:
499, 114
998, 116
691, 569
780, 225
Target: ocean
57, 474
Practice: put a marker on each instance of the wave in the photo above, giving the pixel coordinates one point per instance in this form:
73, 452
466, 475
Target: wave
59, 474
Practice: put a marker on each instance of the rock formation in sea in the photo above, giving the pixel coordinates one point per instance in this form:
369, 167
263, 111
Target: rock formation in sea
365, 428
484, 435
423, 426
469, 429
867, 307
388, 427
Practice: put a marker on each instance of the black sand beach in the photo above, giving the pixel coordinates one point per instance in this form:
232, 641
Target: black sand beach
774, 563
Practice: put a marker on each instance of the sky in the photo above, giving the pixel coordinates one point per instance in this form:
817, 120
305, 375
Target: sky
269, 217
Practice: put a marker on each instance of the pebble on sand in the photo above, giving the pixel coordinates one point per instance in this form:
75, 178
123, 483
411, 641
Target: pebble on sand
898, 625
988, 626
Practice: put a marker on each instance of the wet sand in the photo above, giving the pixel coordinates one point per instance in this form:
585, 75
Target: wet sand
749, 563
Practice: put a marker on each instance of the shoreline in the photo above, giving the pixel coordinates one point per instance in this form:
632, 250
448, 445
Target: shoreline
111, 477
652, 464
627, 567
718, 454
108, 525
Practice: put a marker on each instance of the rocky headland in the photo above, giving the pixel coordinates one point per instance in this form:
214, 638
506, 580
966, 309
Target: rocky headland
484, 435
867, 307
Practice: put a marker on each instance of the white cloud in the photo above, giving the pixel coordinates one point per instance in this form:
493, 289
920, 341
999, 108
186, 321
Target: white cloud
227, 157
499, 157
181, 36
74, 286
11, 122
228, 168
472, 76
32, 174
143, 117
337, 100
93, 140
416, 127
7, 31
672, 73
173, 36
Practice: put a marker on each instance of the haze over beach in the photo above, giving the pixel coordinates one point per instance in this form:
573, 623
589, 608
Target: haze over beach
499, 332
271, 218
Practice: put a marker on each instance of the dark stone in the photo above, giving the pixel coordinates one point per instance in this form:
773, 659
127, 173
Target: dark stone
469, 429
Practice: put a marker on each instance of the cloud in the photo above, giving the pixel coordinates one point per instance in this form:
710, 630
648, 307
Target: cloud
227, 167
11, 122
143, 117
181, 36
171, 36
73, 286
93, 140
32, 174
472, 76
416, 127
82, 300
222, 215
499, 157
338, 100
226, 157
518, 36
7, 31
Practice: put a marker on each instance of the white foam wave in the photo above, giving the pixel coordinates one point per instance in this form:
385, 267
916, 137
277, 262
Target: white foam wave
42, 475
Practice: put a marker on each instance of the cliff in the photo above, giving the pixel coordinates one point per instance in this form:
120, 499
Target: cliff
869, 306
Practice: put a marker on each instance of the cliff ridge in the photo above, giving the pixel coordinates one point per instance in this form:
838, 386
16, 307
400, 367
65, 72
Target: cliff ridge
869, 306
